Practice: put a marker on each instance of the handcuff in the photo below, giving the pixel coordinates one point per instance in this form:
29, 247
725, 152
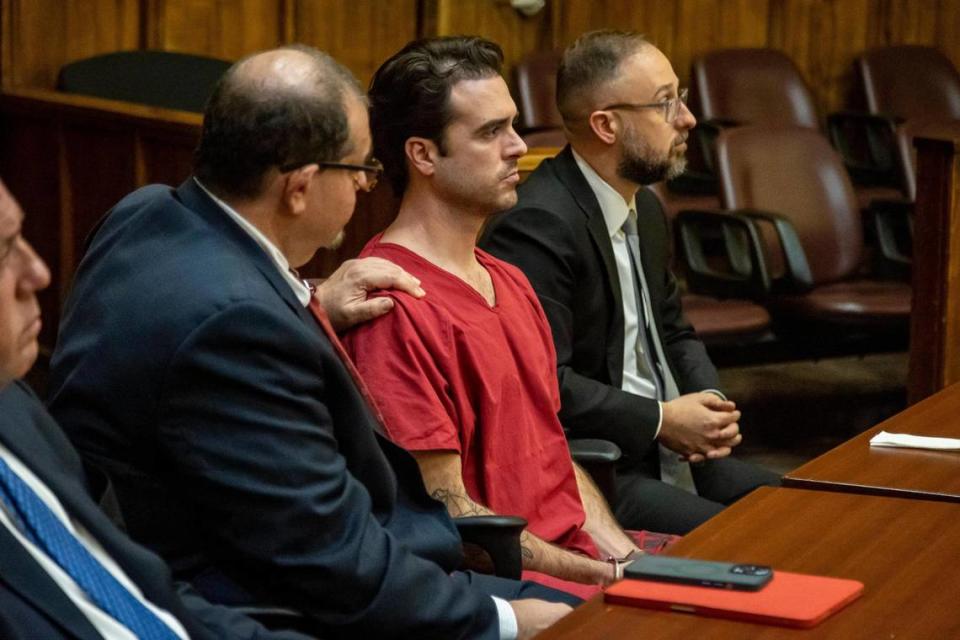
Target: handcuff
619, 563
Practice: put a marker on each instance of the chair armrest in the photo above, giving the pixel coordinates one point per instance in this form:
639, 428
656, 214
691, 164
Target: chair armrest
729, 238
497, 536
705, 135
892, 222
599, 459
593, 451
868, 145
798, 277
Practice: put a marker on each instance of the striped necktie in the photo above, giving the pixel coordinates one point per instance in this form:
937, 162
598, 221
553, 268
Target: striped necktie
47, 532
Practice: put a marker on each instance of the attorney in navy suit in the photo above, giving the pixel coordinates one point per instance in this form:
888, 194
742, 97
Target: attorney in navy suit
201, 374
41, 596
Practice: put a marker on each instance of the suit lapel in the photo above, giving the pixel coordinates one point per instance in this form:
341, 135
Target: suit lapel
573, 179
22, 574
18, 569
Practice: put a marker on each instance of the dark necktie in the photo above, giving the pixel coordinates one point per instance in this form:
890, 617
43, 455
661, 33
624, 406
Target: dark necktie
47, 532
647, 356
324, 320
673, 470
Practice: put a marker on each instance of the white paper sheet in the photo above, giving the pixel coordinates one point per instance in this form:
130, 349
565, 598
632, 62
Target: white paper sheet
884, 439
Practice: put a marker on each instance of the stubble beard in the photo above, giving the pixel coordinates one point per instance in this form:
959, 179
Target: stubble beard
639, 163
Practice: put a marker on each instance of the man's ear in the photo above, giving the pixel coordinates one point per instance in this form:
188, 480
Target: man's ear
604, 126
296, 187
422, 155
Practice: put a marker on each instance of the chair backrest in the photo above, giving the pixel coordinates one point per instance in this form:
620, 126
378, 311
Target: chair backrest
910, 82
536, 85
751, 86
156, 78
793, 171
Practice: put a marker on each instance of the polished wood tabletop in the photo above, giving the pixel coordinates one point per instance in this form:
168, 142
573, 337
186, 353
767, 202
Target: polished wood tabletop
914, 473
906, 552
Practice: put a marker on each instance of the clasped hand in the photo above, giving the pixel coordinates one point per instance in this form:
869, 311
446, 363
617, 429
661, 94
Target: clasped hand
700, 426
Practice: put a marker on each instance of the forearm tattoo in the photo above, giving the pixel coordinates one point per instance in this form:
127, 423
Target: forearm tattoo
458, 504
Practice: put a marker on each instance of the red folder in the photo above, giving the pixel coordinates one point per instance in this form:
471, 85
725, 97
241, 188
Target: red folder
789, 599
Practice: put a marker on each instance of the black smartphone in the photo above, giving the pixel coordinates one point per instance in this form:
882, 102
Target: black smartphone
704, 573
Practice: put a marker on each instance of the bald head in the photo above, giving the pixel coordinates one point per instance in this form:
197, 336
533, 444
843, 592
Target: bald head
590, 71
293, 71
275, 110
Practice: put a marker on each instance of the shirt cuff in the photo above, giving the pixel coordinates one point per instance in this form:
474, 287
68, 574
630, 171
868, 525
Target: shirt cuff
508, 619
716, 392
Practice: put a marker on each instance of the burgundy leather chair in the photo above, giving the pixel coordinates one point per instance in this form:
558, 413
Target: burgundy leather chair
535, 84
793, 185
913, 86
726, 325
733, 87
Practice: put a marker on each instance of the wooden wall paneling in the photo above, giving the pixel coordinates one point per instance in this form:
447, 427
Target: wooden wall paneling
907, 21
655, 19
948, 29
822, 37
227, 29
361, 34
29, 167
100, 170
40, 36
703, 26
164, 157
516, 33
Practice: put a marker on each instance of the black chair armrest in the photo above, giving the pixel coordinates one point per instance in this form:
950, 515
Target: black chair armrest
599, 459
868, 145
729, 238
798, 277
892, 222
705, 137
498, 537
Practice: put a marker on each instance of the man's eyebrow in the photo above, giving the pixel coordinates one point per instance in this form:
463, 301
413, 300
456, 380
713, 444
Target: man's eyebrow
663, 87
490, 124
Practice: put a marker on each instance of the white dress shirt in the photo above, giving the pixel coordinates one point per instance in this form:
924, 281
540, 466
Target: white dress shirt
508, 619
615, 211
105, 624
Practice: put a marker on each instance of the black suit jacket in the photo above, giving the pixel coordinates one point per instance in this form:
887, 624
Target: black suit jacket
32, 605
238, 445
556, 234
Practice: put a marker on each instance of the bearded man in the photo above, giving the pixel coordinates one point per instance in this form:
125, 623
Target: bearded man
595, 246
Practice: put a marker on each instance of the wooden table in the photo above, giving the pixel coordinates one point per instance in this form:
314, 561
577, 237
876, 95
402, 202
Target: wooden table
857, 467
906, 552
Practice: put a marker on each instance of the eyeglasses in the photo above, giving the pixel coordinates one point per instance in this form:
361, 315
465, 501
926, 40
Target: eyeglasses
671, 107
371, 171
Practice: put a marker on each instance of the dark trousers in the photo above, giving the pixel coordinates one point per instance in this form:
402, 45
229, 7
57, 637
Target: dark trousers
644, 502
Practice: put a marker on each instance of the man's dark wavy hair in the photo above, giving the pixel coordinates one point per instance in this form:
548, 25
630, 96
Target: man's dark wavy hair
410, 94
247, 130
